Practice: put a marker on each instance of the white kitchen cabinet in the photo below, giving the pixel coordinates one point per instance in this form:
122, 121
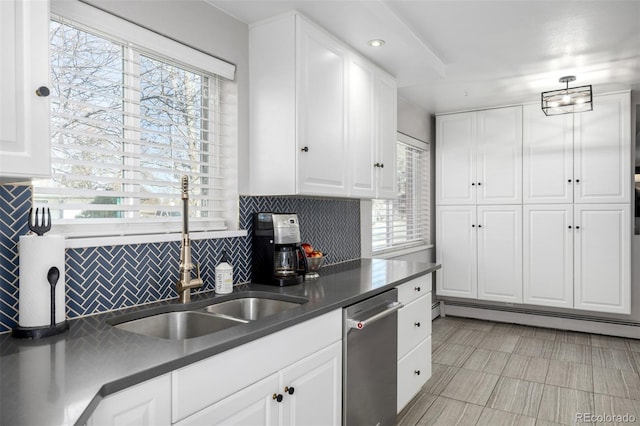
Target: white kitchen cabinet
312, 366
602, 151
547, 157
602, 257
312, 389
321, 64
578, 256
480, 250
456, 248
305, 89
146, 404
297, 395
479, 157
253, 405
548, 255
414, 338
499, 239
24, 115
372, 130
578, 158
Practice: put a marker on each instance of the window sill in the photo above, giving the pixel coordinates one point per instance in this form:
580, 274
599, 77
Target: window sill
150, 238
400, 252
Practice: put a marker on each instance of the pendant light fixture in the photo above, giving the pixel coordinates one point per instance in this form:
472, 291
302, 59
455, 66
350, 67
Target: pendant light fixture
568, 100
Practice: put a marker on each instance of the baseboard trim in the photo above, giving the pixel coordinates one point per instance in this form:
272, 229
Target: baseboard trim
540, 319
435, 310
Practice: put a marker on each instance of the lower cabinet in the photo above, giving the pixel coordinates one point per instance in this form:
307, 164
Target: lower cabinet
578, 256
146, 404
414, 338
305, 393
480, 250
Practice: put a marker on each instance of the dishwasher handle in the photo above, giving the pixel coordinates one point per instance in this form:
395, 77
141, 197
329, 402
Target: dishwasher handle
360, 324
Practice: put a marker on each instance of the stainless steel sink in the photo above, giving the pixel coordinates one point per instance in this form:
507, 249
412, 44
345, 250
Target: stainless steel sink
250, 308
178, 325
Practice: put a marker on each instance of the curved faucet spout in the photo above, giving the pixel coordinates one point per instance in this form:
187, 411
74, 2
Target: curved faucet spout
185, 282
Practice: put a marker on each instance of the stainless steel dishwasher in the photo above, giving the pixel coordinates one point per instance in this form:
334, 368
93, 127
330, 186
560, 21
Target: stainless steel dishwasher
370, 336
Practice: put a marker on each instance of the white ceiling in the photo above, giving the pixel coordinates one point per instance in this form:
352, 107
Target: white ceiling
451, 55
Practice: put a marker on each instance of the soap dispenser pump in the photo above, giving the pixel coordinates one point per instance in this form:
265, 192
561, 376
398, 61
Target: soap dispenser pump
224, 276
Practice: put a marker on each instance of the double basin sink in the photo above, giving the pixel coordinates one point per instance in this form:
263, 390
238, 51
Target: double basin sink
187, 324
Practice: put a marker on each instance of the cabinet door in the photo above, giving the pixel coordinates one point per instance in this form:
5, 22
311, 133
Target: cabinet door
548, 255
602, 152
499, 156
456, 159
547, 157
456, 239
146, 404
362, 123
414, 369
321, 94
24, 116
602, 257
253, 405
316, 383
387, 136
500, 253
414, 324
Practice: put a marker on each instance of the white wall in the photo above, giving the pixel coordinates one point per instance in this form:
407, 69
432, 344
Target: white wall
202, 26
414, 121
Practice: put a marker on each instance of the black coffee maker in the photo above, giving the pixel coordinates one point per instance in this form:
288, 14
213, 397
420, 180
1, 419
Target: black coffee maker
278, 258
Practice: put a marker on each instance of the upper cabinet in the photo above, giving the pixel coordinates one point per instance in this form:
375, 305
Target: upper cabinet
479, 157
322, 118
24, 109
579, 158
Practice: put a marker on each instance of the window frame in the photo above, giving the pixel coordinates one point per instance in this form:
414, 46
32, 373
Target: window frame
93, 20
411, 247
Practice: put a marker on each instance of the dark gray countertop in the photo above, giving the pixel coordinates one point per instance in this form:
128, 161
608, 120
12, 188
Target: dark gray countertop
61, 379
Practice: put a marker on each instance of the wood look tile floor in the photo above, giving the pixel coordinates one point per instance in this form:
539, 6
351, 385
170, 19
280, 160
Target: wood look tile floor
486, 373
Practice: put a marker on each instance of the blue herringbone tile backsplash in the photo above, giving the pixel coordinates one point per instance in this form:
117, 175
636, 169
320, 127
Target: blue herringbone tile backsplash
101, 279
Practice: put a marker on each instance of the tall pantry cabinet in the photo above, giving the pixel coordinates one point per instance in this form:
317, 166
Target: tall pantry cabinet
577, 211
565, 230
478, 204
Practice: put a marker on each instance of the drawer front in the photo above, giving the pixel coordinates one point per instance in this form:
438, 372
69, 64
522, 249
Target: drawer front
411, 290
414, 324
413, 372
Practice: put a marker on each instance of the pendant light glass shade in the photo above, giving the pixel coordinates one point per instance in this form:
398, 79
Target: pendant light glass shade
568, 100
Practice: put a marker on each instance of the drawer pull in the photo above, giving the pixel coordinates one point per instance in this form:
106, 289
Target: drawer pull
416, 372
277, 397
289, 390
416, 288
417, 324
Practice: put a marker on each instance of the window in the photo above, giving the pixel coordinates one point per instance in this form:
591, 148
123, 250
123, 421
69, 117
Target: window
404, 222
126, 124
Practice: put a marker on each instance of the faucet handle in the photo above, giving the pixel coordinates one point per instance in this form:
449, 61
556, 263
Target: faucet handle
197, 270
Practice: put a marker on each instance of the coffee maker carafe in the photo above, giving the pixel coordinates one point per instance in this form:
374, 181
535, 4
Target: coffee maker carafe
278, 258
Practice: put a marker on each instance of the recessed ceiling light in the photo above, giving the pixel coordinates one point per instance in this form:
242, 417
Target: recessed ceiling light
376, 42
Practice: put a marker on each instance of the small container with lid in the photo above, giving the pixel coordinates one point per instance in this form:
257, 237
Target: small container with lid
224, 276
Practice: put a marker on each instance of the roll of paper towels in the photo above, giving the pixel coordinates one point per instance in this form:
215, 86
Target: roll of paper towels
37, 255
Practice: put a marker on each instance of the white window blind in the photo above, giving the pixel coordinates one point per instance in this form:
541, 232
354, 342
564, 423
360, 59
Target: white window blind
404, 222
126, 124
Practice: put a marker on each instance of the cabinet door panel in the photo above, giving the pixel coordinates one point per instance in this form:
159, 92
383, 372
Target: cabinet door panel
253, 405
387, 131
602, 257
456, 159
413, 372
361, 127
548, 255
414, 324
500, 253
321, 112
547, 157
456, 251
24, 116
146, 404
499, 156
602, 151
317, 384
